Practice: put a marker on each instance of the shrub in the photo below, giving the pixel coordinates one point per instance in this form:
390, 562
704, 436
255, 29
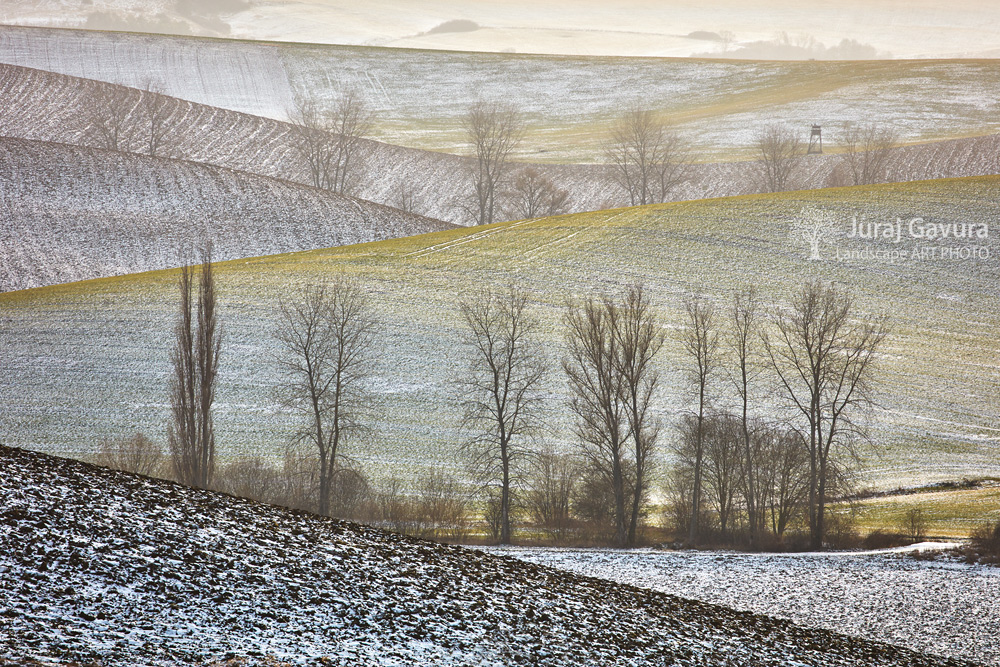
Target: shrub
984, 546
136, 454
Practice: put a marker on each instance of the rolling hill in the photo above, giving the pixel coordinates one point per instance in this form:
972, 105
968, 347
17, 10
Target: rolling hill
90, 359
52, 107
124, 570
419, 97
71, 213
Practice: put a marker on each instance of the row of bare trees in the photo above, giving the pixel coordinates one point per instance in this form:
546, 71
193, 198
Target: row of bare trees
815, 365
866, 155
821, 360
802, 376
648, 161
120, 118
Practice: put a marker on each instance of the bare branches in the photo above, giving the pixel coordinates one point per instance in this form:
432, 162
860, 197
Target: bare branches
504, 373
612, 383
649, 161
700, 343
327, 340
534, 195
331, 142
778, 150
195, 358
109, 122
494, 130
825, 364
136, 453
119, 118
597, 392
639, 341
868, 151
156, 109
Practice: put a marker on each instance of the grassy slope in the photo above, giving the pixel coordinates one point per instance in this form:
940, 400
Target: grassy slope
90, 359
952, 513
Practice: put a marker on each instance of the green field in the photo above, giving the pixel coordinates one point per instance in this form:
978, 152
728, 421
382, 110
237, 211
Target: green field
90, 359
952, 513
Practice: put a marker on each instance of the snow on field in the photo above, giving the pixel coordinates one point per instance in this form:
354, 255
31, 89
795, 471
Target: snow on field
91, 360
105, 567
249, 79
419, 97
51, 107
69, 213
944, 608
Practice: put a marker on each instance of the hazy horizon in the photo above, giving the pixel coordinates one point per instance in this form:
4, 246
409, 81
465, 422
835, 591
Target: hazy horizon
771, 29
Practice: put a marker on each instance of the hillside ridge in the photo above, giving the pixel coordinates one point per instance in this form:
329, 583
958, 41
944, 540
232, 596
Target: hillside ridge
61, 204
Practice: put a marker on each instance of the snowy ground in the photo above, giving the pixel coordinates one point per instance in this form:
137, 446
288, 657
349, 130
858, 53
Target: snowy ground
100, 566
420, 97
61, 206
45, 106
945, 608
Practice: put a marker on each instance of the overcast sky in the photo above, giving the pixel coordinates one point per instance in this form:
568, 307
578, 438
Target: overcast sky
900, 28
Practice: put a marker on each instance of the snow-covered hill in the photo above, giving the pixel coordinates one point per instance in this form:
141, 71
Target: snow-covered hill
52, 107
111, 568
71, 213
420, 97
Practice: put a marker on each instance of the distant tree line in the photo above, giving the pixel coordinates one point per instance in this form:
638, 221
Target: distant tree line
647, 161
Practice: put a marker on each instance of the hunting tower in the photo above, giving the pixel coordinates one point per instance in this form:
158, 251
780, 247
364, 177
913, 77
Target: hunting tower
815, 140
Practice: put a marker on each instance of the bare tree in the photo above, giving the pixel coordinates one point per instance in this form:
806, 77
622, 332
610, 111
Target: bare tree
327, 340
825, 362
612, 381
743, 335
648, 160
330, 142
639, 339
781, 464
494, 130
195, 358
551, 493
534, 195
404, 197
778, 149
723, 458
110, 121
136, 453
700, 343
597, 399
868, 150
156, 109
504, 373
